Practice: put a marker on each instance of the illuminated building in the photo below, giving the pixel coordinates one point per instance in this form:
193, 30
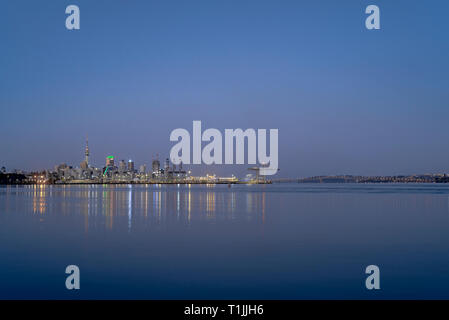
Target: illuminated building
109, 161
167, 165
130, 165
156, 166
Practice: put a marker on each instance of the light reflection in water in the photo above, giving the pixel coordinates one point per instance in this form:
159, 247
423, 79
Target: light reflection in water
189, 202
39, 202
130, 207
144, 206
242, 236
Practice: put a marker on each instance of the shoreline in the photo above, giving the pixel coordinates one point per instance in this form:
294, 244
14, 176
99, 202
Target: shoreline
137, 183
224, 183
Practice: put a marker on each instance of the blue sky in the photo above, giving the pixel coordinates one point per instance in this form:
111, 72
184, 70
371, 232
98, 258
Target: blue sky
346, 100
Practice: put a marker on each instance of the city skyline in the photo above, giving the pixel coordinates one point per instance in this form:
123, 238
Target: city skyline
126, 164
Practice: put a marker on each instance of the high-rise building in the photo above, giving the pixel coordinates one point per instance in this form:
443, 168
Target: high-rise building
130, 165
167, 165
143, 169
156, 166
85, 163
122, 166
109, 161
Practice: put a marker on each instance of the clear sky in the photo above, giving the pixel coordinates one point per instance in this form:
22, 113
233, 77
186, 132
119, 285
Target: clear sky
346, 100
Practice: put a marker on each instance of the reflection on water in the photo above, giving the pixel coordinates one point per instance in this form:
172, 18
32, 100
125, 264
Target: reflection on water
280, 241
103, 206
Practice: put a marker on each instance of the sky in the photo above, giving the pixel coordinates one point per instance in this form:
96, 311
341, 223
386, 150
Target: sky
346, 100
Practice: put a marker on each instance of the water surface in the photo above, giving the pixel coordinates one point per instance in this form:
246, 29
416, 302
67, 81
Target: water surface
280, 241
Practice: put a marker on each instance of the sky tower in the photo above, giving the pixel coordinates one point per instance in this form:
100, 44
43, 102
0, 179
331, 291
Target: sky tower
86, 152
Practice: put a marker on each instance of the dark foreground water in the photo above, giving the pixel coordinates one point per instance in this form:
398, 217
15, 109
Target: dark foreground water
285, 241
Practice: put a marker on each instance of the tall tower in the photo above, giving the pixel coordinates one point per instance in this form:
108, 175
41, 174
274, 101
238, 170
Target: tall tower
86, 152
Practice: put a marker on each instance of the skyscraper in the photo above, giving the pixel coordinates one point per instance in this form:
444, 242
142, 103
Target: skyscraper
85, 163
109, 161
130, 165
156, 165
167, 165
122, 166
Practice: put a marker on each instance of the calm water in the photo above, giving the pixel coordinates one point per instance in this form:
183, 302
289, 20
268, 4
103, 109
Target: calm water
283, 241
